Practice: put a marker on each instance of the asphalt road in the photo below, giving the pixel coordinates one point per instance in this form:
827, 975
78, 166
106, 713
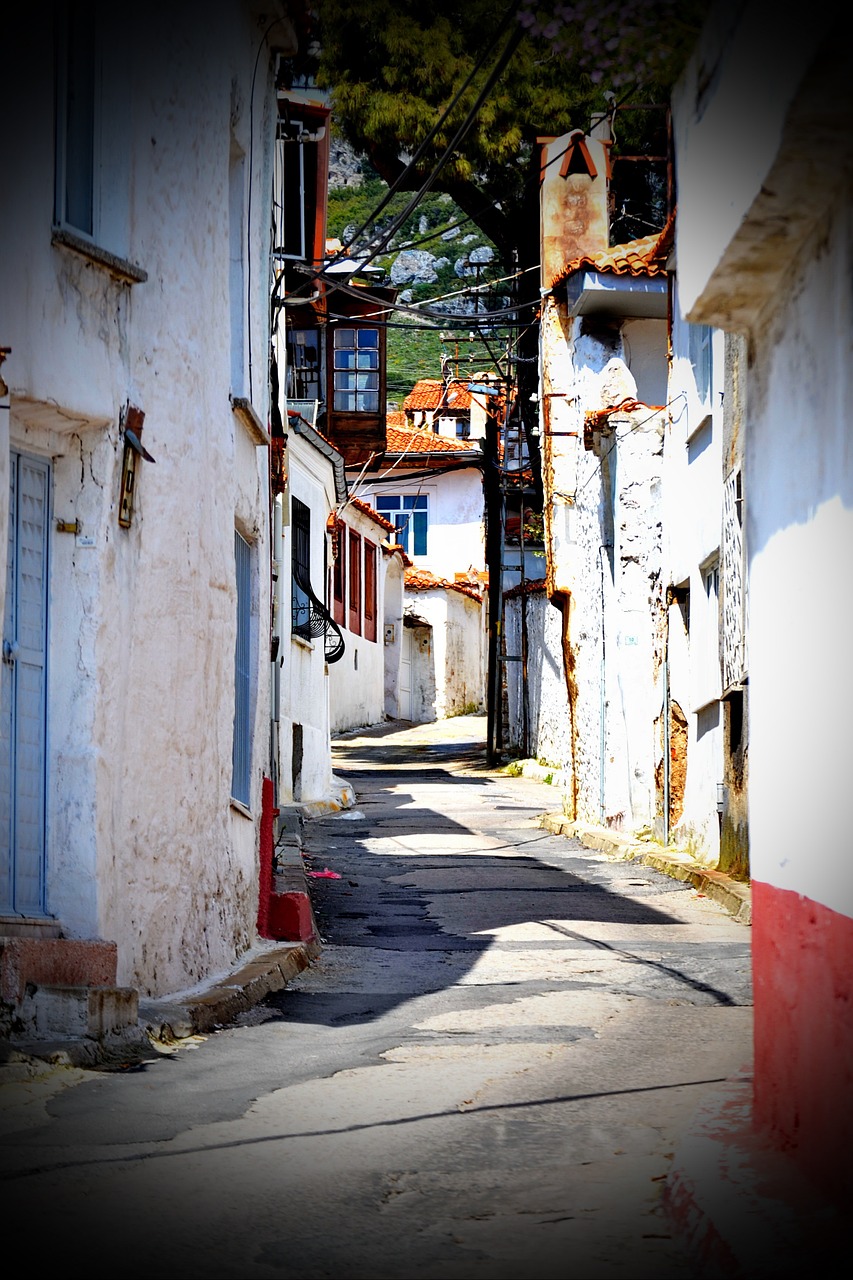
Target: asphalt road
484, 1075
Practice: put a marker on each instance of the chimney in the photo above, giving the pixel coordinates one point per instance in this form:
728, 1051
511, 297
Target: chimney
573, 202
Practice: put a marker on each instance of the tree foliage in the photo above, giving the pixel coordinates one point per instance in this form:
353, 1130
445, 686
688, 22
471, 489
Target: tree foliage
394, 67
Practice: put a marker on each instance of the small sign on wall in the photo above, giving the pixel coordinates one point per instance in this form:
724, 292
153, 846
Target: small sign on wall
390, 632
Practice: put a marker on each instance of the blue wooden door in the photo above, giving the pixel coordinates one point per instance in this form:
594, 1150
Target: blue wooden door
23, 697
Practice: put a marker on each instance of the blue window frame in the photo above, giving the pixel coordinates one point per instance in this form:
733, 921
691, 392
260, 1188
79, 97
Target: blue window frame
410, 516
241, 752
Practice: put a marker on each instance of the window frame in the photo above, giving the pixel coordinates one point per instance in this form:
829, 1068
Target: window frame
370, 589
300, 565
354, 542
339, 575
70, 143
358, 360
403, 517
241, 743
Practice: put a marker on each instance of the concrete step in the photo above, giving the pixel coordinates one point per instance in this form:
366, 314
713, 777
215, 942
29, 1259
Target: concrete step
76, 1012
28, 927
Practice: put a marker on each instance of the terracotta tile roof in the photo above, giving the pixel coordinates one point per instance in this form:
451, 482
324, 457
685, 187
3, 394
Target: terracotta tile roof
644, 257
413, 441
396, 418
429, 393
423, 580
394, 548
373, 515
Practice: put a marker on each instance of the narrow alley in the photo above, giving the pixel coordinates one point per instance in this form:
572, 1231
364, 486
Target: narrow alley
485, 1073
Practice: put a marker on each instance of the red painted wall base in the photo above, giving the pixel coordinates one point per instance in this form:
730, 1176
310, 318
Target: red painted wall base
802, 959
291, 918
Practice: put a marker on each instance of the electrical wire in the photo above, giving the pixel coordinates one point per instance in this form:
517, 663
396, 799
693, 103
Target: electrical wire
421, 150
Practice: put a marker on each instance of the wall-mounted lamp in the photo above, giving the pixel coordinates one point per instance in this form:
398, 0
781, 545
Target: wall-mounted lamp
132, 420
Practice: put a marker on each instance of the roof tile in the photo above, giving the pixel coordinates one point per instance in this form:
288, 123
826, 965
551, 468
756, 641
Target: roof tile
423, 580
643, 257
419, 442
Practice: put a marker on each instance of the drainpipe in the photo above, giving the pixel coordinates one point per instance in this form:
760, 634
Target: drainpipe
275, 680
667, 732
601, 699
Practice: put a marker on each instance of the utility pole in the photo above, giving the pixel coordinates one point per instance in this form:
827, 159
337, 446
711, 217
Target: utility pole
493, 501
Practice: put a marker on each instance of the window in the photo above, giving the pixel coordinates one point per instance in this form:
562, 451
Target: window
300, 523
705, 635
92, 129
295, 188
241, 750
369, 590
339, 574
356, 370
355, 582
699, 351
303, 364
77, 110
410, 516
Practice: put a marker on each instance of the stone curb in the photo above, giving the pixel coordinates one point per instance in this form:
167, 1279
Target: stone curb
734, 896
176, 1018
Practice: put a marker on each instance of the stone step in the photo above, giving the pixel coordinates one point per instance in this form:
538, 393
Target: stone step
74, 1012
28, 927
70, 962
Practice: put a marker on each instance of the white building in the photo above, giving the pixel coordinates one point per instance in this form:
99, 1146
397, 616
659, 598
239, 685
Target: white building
135, 290
429, 487
367, 603
602, 392
763, 166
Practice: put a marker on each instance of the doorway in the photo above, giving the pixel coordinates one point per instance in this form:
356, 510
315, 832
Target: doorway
23, 693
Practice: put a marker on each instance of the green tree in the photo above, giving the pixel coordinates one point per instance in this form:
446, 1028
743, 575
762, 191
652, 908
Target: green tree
395, 67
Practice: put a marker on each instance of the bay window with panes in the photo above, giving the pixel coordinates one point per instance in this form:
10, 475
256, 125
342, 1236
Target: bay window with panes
355, 371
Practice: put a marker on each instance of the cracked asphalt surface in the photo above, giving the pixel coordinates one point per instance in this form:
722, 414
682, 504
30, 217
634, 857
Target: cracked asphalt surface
484, 1075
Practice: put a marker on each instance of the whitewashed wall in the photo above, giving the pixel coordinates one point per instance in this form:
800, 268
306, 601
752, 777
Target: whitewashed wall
544, 685
692, 523
305, 676
144, 846
603, 529
456, 536
357, 681
450, 671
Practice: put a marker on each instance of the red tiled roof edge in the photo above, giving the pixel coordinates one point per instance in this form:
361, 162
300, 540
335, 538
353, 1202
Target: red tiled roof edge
423, 580
643, 257
367, 510
395, 548
399, 440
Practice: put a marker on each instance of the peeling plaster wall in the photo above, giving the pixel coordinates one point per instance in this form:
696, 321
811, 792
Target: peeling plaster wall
792, 227
143, 845
393, 617
603, 533
548, 710
692, 524
455, 657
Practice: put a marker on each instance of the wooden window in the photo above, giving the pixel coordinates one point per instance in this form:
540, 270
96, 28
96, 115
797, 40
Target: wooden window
369, 590
356, 370
339, 576
355, 582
